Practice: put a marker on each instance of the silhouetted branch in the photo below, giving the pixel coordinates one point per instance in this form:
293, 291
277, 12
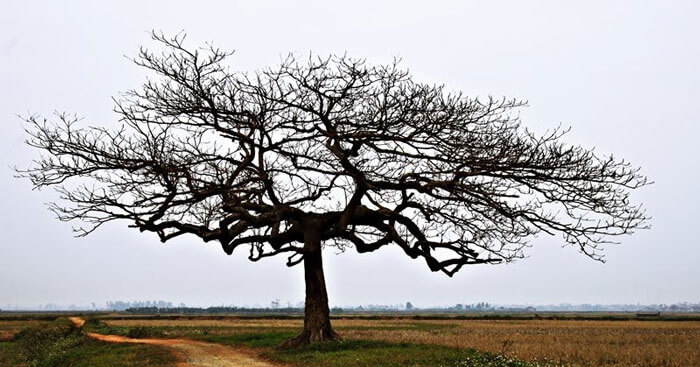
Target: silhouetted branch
375, 157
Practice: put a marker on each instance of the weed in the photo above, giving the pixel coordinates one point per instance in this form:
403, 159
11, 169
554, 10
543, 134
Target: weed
145, 332
61, 344
48, 345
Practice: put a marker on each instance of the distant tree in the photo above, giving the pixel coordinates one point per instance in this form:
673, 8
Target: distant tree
328, 152
409, 306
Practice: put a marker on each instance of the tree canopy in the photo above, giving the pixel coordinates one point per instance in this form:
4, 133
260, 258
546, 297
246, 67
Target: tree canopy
330, 151
381, 159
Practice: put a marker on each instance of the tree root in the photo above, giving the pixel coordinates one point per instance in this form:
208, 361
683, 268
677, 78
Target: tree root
311, 336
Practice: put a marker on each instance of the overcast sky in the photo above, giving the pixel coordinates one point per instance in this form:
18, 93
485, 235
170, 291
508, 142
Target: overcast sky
623, 74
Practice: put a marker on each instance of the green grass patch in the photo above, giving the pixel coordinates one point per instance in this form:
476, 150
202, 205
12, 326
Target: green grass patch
360, 353
364, 353
60, 344
95, 325
253, 340
98, 354
47, 345
200, 333
10, 355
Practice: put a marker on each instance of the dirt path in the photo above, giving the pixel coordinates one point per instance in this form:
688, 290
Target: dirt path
191, 353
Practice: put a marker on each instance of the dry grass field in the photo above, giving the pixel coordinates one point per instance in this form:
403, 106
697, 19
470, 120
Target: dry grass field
584, 343
10, 327
570, 342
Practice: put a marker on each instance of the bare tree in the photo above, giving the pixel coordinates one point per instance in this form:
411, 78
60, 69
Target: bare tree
328, 152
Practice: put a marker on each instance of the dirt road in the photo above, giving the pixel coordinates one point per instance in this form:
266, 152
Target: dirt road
190, 353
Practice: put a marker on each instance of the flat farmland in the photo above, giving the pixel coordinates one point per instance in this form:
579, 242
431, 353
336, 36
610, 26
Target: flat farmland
369, 341
562, 342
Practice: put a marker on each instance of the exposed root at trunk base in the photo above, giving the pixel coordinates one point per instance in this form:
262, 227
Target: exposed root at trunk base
307, 337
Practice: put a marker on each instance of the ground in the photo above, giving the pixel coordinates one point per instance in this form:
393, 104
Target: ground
188, 352
376, 341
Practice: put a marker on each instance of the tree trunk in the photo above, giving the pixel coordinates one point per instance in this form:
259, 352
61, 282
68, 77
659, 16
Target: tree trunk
317, 321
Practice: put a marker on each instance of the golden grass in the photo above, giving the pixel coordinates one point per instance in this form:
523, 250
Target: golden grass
578, 343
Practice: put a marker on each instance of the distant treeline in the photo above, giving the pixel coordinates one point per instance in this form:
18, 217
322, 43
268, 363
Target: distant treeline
160, 307
211, 310
300, 310
122, 305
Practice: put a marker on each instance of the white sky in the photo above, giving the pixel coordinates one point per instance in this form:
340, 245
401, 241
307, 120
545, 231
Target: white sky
623, 74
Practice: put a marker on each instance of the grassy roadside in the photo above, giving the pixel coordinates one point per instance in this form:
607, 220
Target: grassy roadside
59, 344
10, 355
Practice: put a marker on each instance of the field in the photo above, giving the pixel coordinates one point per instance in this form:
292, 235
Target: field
380, 341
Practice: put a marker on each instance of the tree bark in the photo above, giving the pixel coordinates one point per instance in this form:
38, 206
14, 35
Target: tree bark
317, 321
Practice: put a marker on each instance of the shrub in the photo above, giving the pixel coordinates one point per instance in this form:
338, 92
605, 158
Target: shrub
144, 332
44, 346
